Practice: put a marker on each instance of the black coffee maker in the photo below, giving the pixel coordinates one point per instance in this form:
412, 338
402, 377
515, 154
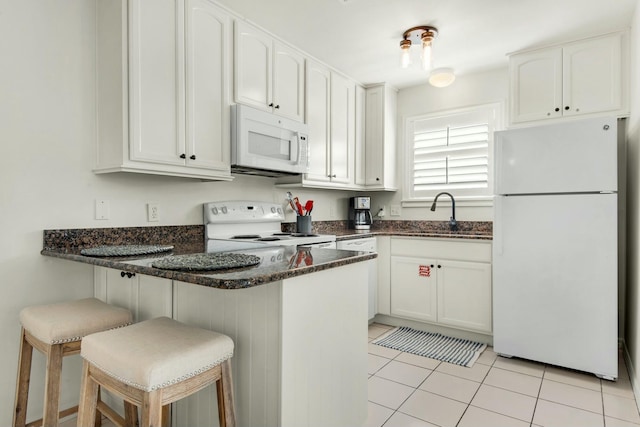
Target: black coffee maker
360, 213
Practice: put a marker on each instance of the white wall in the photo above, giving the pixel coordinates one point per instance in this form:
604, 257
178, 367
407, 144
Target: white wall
632, 327
467, 90
47, 132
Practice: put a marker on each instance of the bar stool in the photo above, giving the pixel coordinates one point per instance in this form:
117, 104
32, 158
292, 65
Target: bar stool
56, 330
154, 363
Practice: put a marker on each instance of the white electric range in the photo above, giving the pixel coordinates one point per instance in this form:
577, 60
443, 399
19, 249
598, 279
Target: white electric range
240, 224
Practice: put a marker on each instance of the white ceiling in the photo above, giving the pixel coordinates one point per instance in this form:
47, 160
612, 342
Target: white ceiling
361, 37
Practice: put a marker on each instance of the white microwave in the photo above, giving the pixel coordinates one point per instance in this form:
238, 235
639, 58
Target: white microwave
265, 144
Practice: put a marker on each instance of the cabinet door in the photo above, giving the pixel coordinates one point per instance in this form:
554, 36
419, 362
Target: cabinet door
318, 95
288, 82
207, 82
592, 76
342, 147
464, 294
120, 290
536, 85
145, 296
375, 136
253, 61
413, 288
360, 167
156, 90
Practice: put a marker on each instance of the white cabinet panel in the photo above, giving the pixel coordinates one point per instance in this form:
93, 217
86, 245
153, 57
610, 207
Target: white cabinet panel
318, 99
207, 86
413, 288
448, 284
253, 66
464, 294
342, 129
579, 78
162, 88
146, 297
268, 75
380, 148
156, 89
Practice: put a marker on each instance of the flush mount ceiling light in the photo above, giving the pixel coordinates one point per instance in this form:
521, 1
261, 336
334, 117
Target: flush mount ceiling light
441, 77
421, 36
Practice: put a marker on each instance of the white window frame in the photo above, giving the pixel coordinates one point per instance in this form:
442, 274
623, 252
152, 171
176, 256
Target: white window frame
472, 197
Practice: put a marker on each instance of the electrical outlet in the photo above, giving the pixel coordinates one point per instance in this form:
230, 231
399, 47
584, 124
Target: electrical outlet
102, 209
395, 210
153, 212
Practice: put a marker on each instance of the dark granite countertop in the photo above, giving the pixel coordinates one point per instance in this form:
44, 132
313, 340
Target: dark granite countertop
477, 230
290, 262
277, 262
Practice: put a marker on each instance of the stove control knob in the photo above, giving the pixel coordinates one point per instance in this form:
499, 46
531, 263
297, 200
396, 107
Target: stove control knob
214, 210
273, 209
273, 259
280, 211
224, 209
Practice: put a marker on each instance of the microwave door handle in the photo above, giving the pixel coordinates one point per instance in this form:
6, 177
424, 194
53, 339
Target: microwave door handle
299, 154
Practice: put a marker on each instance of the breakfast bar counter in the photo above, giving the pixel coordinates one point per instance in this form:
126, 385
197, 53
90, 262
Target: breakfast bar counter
298, 320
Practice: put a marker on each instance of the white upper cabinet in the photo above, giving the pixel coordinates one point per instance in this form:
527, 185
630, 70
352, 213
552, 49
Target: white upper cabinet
318, 97
331, 118
587, 77
343, 116
162, 88
268, 75
207, 85
380, 137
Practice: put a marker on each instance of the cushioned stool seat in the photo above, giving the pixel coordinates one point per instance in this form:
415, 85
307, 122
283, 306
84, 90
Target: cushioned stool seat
56, 330
154, 363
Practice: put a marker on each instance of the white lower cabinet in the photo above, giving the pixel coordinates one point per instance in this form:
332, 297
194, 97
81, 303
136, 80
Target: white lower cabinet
145, 296
449, 283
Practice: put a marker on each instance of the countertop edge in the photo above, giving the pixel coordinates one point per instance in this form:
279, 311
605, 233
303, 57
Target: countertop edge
362, 235
207, 280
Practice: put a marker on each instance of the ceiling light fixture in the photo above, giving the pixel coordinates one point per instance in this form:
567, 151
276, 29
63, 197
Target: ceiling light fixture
441, 77
422, 36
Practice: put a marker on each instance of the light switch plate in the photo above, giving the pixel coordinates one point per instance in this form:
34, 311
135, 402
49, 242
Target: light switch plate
395, 210
102, 209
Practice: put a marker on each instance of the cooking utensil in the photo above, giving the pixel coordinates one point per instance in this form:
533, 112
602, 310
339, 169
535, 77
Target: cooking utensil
308, 207
298, 206
290, 199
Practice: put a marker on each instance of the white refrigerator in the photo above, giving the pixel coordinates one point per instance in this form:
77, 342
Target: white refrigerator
555, 251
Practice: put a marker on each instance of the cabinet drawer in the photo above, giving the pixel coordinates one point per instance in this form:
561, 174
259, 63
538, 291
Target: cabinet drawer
467, 250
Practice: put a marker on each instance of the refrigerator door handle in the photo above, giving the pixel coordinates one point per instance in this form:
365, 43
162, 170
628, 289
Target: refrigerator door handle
497, 221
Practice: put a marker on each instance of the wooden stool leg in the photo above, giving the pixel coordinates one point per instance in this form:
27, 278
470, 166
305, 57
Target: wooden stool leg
130, 414
88, 398
151, 409
22, 383
166, 415
52, 386
224, 386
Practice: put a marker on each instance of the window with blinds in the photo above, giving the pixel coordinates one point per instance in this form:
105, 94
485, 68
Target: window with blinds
450, 152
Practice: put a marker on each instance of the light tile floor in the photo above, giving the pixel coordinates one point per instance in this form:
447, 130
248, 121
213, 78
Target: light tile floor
413, 391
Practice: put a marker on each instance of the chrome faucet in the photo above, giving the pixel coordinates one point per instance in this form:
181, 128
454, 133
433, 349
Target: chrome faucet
453, 224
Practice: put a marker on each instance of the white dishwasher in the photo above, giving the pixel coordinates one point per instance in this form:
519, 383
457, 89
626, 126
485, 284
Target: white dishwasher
366, 244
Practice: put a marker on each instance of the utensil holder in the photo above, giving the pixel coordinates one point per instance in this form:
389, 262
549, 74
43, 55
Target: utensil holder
303, 224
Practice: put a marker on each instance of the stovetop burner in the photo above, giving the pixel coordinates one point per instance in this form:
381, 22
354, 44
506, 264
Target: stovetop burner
282, 234
268, 239
304, 235
246, 236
